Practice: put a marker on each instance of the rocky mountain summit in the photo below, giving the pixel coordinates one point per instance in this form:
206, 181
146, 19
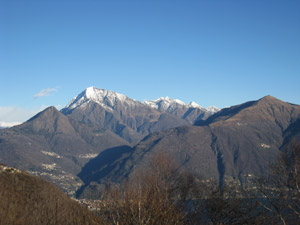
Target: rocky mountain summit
189, 112
130, 119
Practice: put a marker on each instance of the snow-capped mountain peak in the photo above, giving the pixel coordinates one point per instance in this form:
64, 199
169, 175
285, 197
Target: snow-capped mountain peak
98, 95
212, 109
194, 105
170, 100
110, 100
166, 104
105, 98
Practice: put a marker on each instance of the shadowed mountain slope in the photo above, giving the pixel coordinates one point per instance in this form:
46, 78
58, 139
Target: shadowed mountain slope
51, 145
237, 142
57, 144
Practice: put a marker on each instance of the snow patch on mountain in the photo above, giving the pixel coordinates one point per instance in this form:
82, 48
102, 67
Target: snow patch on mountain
99, 95
164, 104
194, 105
168, 104
107, 99
8, 124
212, 109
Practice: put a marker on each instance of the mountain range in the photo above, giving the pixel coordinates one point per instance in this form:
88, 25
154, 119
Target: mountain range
57, 144
236, 143
103, 135
130, 119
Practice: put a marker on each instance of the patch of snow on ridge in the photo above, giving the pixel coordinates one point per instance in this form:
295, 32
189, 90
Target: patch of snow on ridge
151, 104
164, 103
105, 98
110, 100
194, 105
8, 124
213, 109
170, 100
167, 104
99, 95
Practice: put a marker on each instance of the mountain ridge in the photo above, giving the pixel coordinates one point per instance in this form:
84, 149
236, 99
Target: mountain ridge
130, 119
51, 145
56, 144
102, 95
236, 143
62, 145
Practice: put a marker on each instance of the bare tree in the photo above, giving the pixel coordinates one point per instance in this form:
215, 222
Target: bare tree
281, 190
152, 196
231, 205
164, 194
26, 199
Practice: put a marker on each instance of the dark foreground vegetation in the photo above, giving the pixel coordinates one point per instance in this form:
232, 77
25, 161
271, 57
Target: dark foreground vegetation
27, 199
164, 195
161, 195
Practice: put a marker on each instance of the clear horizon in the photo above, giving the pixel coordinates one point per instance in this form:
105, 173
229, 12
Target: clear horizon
218, 53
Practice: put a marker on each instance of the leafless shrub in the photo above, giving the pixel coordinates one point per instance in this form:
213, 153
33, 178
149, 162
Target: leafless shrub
151, 196
280, 192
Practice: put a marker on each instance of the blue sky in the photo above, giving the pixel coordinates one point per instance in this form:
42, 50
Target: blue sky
212, 52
